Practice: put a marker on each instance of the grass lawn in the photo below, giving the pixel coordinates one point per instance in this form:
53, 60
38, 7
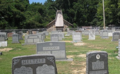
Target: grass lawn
78, 53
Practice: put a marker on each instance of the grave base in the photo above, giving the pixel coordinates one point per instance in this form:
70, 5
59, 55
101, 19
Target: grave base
67, 59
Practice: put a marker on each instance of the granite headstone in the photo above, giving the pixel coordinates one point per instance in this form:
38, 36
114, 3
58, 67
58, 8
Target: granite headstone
97, 62
55, 48
34, 64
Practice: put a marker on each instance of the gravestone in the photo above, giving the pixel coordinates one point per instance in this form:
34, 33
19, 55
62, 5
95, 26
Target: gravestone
85, 32
29, 31
104, 34
3, 36
3, 43
97, 32
60, 36
33, 39
110, 33
54, 37
91, 35
20, 34
97, 62
76, 36
116, 36
118, 57
55, 48
15, 38
34, 64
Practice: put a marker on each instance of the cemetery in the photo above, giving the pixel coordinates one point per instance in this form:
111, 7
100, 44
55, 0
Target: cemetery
60, 37
98, 56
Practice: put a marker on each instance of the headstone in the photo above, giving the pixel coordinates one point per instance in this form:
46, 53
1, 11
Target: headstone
20, 34
97, 62
15, 38
76, 37
85, 32
29, 31
104, 34
110, 33
3, 36
54, 37
34, 64
97, 32
91, 35
33, 39
3, 43
118, 57
55, 48
116, 36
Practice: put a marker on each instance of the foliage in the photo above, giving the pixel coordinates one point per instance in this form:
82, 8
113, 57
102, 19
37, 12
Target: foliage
20, 14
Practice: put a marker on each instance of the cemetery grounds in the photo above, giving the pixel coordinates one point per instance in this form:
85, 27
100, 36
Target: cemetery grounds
77, 51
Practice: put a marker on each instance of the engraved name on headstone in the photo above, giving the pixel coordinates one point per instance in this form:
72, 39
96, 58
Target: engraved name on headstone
55, 48
34, 64
97, 62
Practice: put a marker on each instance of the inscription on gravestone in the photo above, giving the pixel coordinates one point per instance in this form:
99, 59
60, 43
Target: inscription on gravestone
34, 64
55, 48
97, 62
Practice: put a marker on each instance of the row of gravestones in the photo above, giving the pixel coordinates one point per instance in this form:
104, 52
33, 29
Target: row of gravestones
96, 63
104, 34
29, 38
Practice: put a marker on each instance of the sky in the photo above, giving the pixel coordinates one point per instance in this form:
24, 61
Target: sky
40, 1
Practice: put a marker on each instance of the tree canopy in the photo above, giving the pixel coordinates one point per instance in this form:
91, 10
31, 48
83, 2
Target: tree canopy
20, 14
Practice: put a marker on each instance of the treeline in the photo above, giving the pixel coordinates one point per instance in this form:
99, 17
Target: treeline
19, 14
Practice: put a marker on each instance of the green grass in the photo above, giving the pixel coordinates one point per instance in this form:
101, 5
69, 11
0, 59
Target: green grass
77, 66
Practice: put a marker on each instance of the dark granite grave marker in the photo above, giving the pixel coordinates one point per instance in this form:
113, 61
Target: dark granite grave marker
55, 48
116, 36
34, 64
15, 38
97, 62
